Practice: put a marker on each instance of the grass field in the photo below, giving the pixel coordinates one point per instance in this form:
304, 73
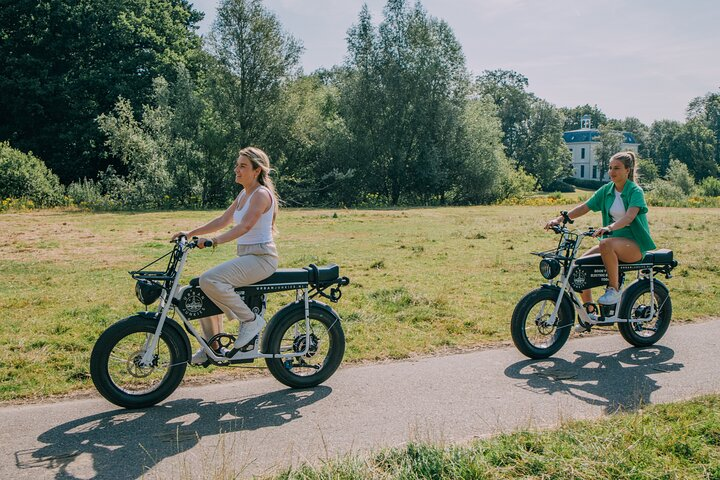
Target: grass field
673, 441
424, 281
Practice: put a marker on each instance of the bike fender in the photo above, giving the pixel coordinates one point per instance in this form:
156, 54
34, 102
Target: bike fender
567, 303
172, 324
637, 284
292, 308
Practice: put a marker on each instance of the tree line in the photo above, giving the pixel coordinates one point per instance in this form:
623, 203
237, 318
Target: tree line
131, 108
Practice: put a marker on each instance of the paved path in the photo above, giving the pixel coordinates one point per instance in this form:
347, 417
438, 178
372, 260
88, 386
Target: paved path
258, 426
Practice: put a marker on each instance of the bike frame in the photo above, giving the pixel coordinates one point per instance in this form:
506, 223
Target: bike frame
566, 273
174, 292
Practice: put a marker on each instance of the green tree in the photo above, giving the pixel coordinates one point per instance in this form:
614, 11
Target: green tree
482, 173
402, 96
639, 130
543, 152
258, 57
62, 63
573, 116
706, 109
507, 89
532, 128
313, 167
695, 146
663, 143
610, 143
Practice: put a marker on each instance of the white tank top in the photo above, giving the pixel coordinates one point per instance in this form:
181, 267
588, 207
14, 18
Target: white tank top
261, 232
617, 209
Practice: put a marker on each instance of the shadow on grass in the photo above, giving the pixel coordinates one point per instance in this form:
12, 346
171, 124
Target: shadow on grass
620, 381
123, 444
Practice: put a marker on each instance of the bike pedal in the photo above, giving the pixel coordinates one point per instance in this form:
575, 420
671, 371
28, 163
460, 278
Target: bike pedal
250, 346
242, 360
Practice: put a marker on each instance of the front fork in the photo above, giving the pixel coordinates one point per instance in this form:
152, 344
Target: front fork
165, 304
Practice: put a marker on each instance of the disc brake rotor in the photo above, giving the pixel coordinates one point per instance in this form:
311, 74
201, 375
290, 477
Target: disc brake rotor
299, 344
135, 369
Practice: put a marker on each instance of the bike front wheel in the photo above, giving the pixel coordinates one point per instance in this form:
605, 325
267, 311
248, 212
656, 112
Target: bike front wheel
291, 335
115, 363
643, 329
530, 326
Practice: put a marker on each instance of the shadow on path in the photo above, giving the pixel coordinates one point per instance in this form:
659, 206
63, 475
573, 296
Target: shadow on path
620, 381
122, 444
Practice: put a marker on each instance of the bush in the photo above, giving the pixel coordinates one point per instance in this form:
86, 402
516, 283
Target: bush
89, 194
679, 175
22, 175
710, 187
584, 183
666, 194
646, 171
560, 186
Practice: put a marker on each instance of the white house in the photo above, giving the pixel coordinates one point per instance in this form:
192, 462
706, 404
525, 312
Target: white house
582, 145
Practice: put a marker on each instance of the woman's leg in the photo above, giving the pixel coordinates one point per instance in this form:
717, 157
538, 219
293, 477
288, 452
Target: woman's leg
614, 250
219, 283
211, 326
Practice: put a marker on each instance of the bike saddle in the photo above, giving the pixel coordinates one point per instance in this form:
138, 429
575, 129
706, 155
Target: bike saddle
661, 256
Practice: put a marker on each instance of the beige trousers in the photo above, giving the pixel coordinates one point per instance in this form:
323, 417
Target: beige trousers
253, 263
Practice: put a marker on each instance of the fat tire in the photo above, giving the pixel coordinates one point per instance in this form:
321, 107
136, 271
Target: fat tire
100, 357
627, 330
519, 319
336, 337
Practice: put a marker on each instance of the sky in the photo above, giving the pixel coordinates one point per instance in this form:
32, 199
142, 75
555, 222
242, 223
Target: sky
631, 58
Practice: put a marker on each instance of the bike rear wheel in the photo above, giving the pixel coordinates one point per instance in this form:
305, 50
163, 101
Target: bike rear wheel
531, 332
115, 363
289, 335
636, 306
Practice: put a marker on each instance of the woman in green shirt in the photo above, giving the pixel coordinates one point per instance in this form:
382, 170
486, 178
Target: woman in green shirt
625, 232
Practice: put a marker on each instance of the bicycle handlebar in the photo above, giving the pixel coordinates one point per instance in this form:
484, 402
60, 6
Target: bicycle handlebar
182, 239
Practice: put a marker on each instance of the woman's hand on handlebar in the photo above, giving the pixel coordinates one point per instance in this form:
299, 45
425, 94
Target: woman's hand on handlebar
601, 231
204, 242
178, 235
552, 223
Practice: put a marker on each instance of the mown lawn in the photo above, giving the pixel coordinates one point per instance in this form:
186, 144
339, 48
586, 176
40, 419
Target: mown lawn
424, 281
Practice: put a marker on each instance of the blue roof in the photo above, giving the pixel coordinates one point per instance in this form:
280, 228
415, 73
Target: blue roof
589, 134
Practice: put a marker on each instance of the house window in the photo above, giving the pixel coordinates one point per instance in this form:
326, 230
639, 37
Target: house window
582, 152
582, 169
594, 171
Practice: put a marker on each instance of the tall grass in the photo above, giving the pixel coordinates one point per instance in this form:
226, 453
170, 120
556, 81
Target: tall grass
673, 441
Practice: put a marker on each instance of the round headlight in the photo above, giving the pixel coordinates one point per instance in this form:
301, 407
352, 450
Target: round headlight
549, 268
147, 292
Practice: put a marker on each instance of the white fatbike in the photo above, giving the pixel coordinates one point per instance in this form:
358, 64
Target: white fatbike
140, 360
542, 319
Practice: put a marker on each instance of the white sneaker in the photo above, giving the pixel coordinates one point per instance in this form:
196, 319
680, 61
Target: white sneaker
249, 330
610, 297
199, 357
580, 328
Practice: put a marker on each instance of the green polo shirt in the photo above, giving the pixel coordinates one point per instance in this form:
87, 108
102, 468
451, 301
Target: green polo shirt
632, 196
